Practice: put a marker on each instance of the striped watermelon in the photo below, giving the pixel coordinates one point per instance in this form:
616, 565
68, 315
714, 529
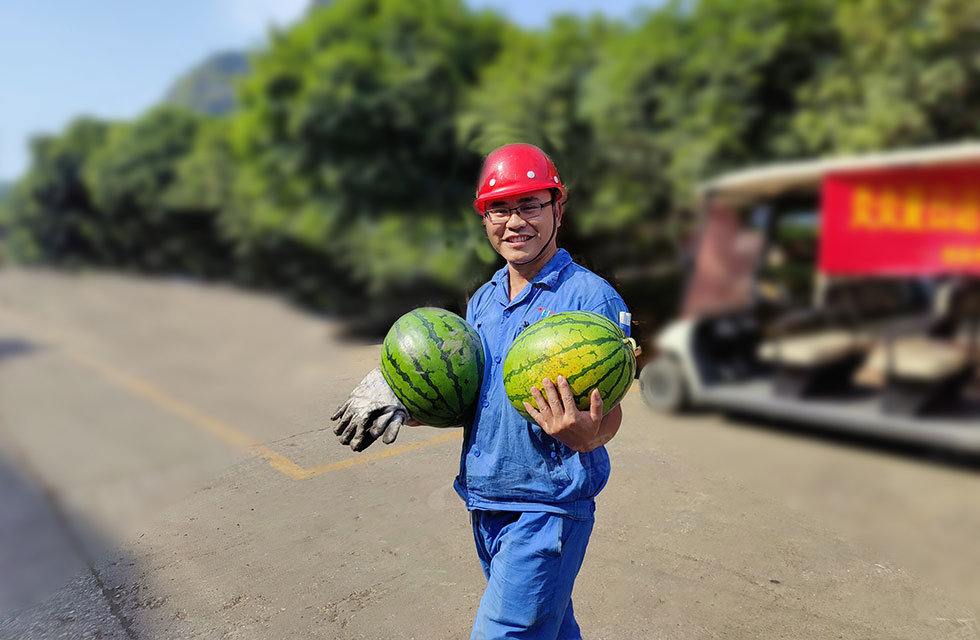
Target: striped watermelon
589, 349
433, 361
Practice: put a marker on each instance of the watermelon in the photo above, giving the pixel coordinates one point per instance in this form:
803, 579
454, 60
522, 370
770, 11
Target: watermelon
433, 362
589, 349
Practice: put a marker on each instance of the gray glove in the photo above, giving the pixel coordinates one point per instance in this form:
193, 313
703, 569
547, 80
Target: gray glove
370, 412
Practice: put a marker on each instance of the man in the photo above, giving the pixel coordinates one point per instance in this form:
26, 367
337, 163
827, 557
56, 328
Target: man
530, 486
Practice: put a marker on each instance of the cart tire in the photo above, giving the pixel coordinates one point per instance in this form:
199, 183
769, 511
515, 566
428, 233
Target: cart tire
662, 385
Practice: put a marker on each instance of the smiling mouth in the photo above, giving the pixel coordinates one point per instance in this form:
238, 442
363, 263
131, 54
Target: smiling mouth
518, 239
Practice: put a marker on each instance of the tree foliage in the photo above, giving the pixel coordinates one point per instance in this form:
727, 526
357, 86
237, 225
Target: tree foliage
345, 175
156, 223
696, 90
905, 73
534, 92
346, 142
49, 214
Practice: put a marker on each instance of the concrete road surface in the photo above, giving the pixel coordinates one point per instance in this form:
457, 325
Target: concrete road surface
167, 470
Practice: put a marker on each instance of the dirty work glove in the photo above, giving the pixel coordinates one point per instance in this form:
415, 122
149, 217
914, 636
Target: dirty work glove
370, 412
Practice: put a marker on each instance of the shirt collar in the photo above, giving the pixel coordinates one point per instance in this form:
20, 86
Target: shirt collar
547, 277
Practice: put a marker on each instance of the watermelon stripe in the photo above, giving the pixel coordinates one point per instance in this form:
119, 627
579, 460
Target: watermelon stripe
578, 319
535, 330
414, 409
425, 372
581, 378
579, 352
450, 369
586, 347
537, 327
612, 356
445, 357
624, 381
594, 366
473, 337
565, 350
412, 378
572, 318
433, 360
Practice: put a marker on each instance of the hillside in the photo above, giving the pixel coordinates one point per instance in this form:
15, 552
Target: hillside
209, 87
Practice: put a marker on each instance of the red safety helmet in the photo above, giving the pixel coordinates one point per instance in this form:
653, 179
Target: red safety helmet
516, 168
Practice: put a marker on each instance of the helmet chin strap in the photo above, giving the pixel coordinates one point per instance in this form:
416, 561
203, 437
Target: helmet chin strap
554, 229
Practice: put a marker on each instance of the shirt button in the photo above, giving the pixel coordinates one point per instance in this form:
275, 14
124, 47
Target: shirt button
553, 455
497, 359
486, 403
507, 313
476, 453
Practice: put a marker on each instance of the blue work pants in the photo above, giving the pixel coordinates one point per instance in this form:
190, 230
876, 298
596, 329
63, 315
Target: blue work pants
530, 560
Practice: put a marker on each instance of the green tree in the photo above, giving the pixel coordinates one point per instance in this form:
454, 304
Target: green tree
149, 221
533, 92
906, 73
49, 215
346, 174
701, 88
696, 88
204, 178
347, 146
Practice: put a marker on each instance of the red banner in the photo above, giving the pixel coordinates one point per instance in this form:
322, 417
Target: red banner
901, 222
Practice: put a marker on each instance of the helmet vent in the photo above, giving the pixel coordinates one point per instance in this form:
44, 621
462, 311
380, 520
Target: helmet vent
530, 174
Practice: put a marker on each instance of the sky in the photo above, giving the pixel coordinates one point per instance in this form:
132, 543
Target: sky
116, 58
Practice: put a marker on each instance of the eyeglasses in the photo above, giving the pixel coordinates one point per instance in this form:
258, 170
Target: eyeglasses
527, 211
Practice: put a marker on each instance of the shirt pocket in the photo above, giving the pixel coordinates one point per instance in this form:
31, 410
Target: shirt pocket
549, 450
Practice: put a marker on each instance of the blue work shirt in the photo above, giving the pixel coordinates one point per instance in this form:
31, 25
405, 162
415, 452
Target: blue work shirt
509, 463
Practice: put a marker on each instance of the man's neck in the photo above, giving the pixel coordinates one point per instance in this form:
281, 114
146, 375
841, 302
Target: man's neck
520, 275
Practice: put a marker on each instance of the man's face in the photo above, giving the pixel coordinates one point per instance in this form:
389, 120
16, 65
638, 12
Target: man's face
520, 241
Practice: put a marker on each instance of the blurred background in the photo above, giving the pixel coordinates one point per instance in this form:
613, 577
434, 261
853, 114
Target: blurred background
329, 150
327, 153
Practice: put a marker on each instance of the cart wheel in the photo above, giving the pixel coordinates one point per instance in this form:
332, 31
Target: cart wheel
662, 385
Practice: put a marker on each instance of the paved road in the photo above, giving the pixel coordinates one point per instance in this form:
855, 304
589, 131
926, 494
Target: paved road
167, 471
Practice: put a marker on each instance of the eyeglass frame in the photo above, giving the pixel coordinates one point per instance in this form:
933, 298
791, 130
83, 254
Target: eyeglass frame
540, 206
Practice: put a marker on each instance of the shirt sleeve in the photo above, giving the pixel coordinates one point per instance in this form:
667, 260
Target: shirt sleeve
610, 306
473, 304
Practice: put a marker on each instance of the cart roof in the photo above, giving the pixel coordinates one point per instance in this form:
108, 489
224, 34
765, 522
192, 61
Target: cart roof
776, 179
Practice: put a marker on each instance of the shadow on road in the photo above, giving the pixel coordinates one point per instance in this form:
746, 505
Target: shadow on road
49, 583
13, 347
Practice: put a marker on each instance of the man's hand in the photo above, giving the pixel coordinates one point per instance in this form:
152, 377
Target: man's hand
558, 416
371, 411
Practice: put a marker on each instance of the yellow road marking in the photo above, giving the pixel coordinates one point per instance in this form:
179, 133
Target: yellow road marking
234, 437
454, 434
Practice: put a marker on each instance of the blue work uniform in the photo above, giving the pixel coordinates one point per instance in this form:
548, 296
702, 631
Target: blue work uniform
531, 497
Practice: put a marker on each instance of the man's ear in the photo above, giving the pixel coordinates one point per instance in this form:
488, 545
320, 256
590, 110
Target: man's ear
559, 212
